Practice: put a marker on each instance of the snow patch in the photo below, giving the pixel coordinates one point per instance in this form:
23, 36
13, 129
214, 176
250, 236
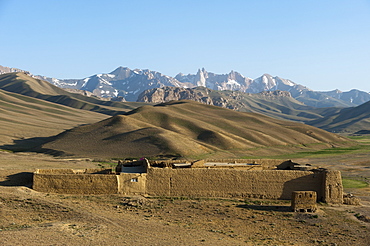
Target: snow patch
264, 80
105, 81
85, 81
288, 82
232, 82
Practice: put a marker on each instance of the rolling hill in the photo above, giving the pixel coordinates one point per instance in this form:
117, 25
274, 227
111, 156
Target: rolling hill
23, 84
23, 117
347, 120
276, 104
188, 129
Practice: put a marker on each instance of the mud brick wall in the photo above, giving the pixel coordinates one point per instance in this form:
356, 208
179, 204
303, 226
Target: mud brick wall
75, 183
273, 184
132, 183
332, 187
194, 182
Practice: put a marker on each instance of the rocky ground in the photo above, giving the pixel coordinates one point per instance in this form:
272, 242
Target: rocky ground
34, 218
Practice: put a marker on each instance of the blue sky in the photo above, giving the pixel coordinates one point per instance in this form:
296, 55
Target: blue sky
323, 45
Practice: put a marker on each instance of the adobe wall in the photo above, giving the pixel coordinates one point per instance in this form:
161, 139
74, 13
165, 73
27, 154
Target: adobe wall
132, 183
332, 187
66, 181
193, 182
273, 184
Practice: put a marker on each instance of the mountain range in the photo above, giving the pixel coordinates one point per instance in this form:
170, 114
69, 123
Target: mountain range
124, 84
276, 104
33, 112
24, 84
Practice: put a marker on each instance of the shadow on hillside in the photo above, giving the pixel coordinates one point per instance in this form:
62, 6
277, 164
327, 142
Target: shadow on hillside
32, 145
18, 179
266, 208
362, 132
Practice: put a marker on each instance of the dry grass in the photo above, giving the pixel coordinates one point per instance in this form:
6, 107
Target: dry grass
192, 130
25, 117
44, 219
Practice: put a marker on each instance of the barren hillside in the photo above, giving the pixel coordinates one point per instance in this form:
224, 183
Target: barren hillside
190, 129
24, 117
347, 120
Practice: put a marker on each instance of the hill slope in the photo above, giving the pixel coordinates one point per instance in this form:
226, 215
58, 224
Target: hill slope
347, 120
189, 129
276, 104
23, 84
26, 117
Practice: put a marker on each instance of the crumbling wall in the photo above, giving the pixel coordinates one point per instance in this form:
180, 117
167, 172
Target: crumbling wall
70, 183
332, 187
266, 163
304, 201
208, 182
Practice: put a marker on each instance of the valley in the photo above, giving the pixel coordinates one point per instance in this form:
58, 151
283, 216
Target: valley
43, 126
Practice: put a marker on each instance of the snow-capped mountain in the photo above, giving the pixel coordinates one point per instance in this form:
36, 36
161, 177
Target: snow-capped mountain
126, 84
122, 82
354, 96
237, 82
233, 81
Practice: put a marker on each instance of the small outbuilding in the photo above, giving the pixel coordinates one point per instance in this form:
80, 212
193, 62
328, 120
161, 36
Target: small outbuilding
304, 201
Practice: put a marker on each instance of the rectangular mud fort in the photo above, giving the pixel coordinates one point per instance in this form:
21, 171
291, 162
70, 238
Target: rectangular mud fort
263, 179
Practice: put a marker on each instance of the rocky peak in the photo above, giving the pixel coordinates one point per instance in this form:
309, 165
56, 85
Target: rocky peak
166, 94
277, 93
121, 73
201, 77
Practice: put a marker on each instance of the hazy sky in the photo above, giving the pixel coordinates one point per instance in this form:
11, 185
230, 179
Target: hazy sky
322, 44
